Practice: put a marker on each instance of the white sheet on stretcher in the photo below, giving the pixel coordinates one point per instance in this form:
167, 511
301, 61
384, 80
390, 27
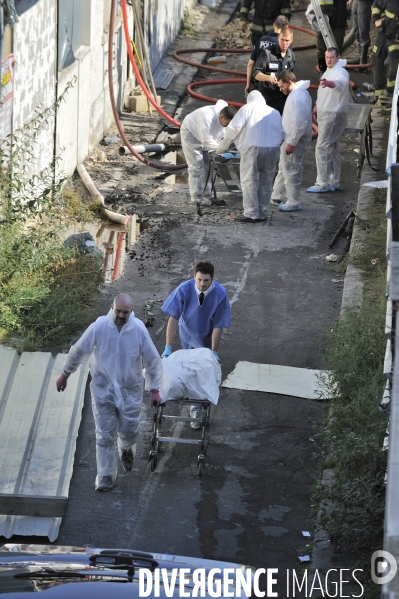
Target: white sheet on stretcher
191, 373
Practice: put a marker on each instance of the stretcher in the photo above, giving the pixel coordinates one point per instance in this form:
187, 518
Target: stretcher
159, 418
228, 170
190, 377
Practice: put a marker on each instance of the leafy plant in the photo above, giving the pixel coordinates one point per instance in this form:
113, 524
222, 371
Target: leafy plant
353, 505
45, 287
77, 209
185, 28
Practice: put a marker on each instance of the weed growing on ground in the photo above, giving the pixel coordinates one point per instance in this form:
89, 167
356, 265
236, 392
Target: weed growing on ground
354, 437
353, 441
77, 209
185, 28
45, 287
372, 245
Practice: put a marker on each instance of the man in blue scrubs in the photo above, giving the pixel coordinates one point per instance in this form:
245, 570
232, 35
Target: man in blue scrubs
200, 309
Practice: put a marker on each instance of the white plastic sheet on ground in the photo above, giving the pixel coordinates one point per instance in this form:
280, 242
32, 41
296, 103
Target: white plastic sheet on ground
377, 184
285, 380
192, 374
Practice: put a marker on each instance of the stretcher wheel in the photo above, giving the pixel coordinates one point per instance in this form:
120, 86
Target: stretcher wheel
201, 464
204, 446
153, 460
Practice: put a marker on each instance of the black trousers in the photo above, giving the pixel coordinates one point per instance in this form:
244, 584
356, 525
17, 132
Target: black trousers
380, 52
276, 101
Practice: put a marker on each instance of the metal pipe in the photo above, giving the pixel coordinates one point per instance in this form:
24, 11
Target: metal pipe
142, 148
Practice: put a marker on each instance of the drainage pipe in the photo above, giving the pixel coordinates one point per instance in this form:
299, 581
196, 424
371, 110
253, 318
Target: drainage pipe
88, 183
154, 164
142, 148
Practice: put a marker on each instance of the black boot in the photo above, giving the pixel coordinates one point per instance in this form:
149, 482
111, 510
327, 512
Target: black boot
363, 54
356, 60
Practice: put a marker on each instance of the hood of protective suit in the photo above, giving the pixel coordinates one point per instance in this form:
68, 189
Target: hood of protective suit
254, 96
303, 84
219, 105
128, 325
341, 63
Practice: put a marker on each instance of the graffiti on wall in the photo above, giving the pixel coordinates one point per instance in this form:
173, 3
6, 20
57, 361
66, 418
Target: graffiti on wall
6, 96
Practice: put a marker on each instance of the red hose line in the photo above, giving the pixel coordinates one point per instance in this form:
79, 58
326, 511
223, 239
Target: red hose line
154, 164
137, 72
213, 82
176, 53
205, 82
118, 253
199, 65
236, 104
358, 66
161, 165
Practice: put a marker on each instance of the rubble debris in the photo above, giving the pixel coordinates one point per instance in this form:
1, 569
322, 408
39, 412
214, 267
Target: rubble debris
332, 258
111, 139
236, 34
342, 228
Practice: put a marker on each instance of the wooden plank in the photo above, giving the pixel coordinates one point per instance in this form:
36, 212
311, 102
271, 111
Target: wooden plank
32, 505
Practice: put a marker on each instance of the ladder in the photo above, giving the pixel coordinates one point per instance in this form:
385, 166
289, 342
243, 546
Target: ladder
327, 34
324, 25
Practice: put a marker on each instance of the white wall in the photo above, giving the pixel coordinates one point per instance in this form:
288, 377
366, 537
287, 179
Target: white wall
166, 17
85, 115
34, 48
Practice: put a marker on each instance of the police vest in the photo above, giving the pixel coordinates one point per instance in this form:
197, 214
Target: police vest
273, 64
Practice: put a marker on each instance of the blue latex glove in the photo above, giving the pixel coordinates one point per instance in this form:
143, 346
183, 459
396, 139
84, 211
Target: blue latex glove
228, 155
167, 351
216, 355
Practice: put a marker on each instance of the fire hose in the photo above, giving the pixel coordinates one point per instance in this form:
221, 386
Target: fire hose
153, 163
176, 55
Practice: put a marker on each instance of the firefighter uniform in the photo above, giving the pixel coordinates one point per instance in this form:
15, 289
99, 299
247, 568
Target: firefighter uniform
386, 50
266, 12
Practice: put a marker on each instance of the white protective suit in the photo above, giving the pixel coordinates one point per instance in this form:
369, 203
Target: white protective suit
117, 383
297, 123
257, 132
332, 117
199, 133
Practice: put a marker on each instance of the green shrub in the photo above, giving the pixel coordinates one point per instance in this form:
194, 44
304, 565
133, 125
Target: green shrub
353, 440
45, 287
185, 28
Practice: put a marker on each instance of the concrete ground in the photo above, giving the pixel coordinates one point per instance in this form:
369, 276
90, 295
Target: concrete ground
254, 498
